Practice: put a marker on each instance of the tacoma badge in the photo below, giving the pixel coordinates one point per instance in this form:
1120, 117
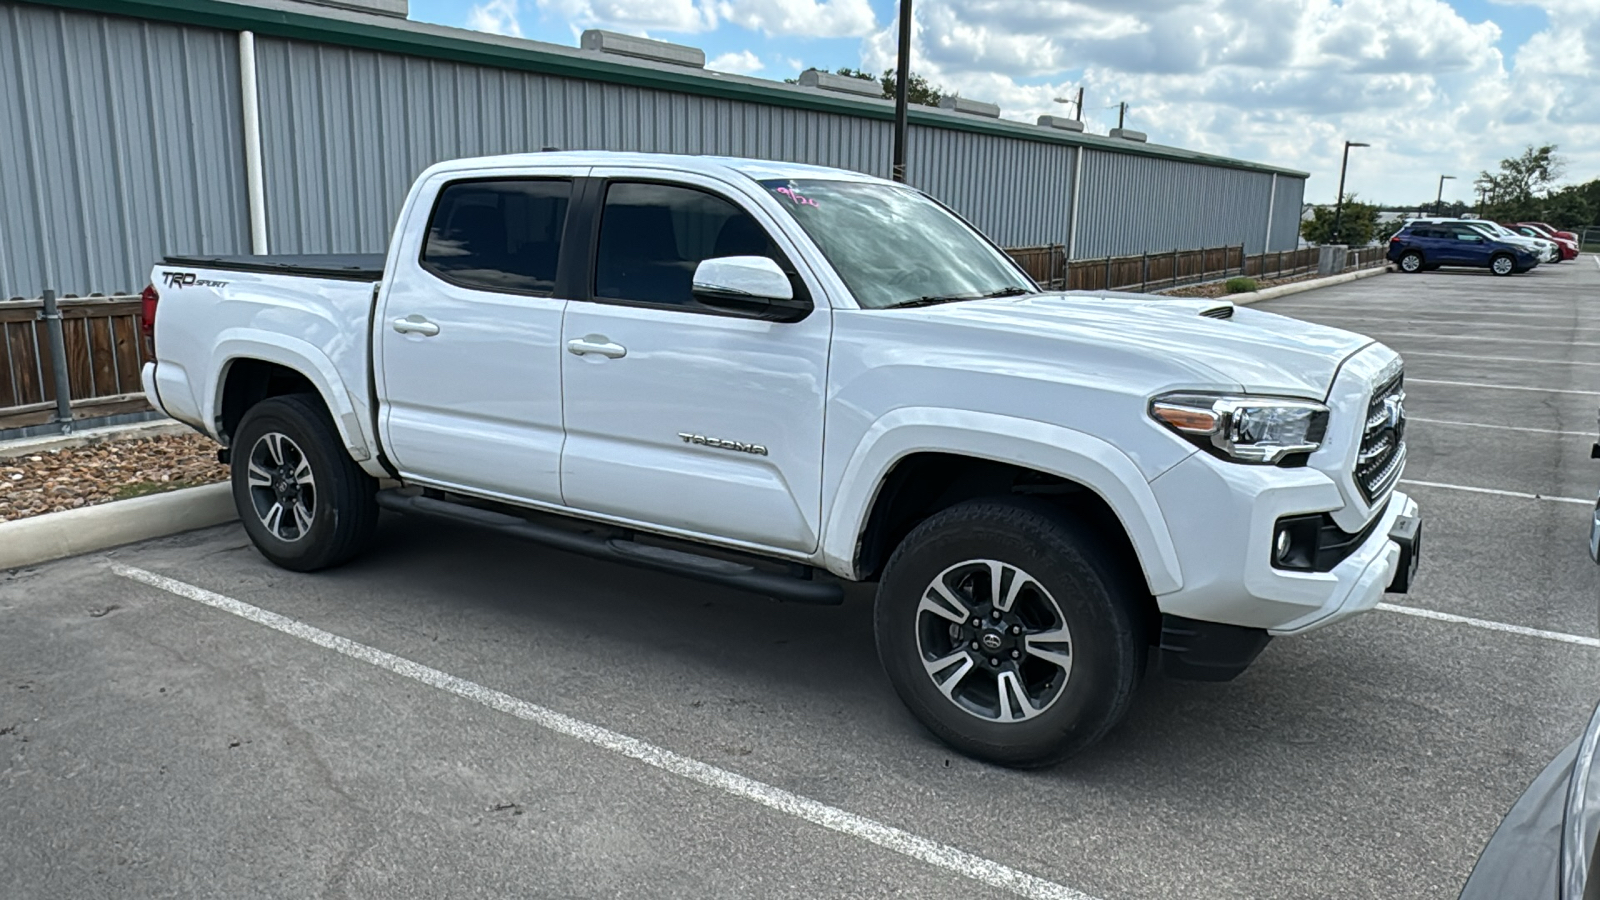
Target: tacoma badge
757, 449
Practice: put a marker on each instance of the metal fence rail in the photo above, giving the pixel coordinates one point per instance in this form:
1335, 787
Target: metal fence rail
102, 356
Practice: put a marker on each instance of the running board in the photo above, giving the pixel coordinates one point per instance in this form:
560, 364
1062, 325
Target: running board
661, 559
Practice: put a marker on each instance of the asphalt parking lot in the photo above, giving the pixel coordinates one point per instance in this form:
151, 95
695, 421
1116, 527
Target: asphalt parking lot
178, 739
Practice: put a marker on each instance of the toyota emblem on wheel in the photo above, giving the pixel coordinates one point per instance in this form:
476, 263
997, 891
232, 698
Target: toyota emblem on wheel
991, 641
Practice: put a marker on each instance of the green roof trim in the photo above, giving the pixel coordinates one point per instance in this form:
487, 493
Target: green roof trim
394, 35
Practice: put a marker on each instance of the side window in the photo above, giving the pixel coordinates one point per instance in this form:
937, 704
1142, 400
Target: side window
498, 235
652, 236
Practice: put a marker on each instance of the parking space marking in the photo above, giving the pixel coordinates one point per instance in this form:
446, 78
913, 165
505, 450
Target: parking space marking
1579, 434
1560, 636
1348, 312
888, 837
1502, 387
1362, 322
1515, 359
1496, 491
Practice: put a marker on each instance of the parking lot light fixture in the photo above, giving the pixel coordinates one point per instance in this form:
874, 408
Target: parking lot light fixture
1338, 203
1438, 200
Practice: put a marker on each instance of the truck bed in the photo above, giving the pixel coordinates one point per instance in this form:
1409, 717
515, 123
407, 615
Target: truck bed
342, 266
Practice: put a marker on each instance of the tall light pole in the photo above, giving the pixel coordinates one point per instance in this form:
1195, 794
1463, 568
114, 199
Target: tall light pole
1338, 205
1438, 200
901, 85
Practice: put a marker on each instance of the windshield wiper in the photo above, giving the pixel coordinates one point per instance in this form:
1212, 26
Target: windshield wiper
935, 301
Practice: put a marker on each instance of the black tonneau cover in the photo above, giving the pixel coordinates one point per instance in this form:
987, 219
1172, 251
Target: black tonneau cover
343, 266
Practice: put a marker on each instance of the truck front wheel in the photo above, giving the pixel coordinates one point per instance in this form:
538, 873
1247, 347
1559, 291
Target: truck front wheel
1007, 630
304, 502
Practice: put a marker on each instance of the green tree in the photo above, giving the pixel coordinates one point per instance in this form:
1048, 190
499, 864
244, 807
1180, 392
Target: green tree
1358, 224
1517, 191
918, 90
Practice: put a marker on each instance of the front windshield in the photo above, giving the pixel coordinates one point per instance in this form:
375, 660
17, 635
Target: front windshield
894, 247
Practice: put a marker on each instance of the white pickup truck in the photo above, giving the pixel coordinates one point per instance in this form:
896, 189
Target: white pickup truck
779, 377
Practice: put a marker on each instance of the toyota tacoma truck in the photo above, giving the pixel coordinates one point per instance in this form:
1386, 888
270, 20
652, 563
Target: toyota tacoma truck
782, 378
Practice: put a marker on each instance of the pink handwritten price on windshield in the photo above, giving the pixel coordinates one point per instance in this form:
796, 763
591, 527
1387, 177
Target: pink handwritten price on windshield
806, 201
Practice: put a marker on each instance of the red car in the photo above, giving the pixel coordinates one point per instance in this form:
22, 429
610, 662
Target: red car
1566, 240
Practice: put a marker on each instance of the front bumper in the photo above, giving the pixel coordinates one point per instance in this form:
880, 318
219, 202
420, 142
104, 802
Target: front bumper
1223, 518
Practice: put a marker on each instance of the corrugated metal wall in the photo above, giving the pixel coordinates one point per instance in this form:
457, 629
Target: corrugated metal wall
1286, 213
1138, 204
1017, 192
119, 141
360, 125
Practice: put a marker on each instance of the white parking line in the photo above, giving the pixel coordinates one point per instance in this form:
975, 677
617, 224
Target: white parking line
1516, 359
1452, 618
1502, 387
1580, 434
886, 836
1366, 321
1496, 491
1348, 312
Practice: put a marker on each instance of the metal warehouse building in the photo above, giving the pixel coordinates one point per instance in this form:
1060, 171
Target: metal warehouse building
134, 128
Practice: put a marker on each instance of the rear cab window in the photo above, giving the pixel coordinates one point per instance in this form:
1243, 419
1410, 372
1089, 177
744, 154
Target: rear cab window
500, 235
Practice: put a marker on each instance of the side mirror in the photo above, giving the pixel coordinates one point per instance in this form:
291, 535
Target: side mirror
751, 286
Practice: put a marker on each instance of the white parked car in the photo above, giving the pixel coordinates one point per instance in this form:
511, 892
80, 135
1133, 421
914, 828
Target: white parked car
779, 377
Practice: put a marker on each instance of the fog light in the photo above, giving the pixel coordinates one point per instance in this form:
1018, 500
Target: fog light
1281, 545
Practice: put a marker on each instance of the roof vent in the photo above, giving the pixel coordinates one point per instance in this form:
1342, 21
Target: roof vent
970, 107
827, 81
597, 41
1128, 134
1061, 122
1218, 312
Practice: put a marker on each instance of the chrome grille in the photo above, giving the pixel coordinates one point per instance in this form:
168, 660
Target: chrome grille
1383, 447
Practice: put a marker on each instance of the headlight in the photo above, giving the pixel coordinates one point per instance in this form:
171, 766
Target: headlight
1247, 429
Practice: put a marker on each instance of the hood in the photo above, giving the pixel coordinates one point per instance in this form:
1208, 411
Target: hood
1238, 347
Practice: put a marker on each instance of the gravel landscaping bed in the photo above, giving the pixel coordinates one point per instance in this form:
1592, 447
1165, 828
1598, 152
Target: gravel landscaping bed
56, 480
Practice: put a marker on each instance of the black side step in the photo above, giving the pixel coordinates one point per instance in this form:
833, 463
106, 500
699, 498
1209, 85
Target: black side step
662, 559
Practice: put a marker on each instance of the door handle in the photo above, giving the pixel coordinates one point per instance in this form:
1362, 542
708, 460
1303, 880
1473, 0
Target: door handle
415, 324
598, 344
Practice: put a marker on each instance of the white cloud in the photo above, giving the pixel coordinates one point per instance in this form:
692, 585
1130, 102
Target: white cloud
742, 62
1279, 81
634, 16
801, 18
495, 17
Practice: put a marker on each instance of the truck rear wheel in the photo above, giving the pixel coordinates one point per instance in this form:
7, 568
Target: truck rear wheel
1007, 631
304, 502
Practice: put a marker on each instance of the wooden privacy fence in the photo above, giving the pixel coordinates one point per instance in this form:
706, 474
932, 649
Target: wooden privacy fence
103, 353
1366, 258
1048, 266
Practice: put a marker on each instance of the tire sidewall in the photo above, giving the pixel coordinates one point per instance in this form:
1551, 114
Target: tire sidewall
1411, 255
312, 438
1510, 265
1106, 657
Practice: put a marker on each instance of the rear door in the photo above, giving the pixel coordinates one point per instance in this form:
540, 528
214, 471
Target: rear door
468, 346
692, 421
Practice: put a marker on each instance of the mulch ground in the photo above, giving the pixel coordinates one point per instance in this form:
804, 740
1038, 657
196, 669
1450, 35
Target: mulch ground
1220, 288
57, 480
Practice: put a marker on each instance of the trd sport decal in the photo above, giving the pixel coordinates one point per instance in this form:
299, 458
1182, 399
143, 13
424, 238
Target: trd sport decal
189, 279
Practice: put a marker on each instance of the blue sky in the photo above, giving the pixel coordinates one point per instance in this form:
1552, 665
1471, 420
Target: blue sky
1437, 86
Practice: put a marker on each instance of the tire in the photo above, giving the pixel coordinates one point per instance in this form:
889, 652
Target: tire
1411, 262
1502, 264
285, 449
1069, 576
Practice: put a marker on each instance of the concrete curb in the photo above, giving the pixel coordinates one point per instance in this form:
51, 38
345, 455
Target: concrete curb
35, 445
1284, 290
38, 539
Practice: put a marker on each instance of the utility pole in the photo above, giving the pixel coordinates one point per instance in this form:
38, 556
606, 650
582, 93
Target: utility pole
1338, 204
1079, 116
1122, 113
901, 85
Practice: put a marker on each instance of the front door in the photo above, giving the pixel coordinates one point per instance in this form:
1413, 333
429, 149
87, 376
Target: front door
469, 337
677, 416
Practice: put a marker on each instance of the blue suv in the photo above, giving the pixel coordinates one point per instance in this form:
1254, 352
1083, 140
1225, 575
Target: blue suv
1421, 246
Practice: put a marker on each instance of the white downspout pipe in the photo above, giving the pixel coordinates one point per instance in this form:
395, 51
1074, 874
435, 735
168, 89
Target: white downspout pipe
255, 184
1272, 201
1077, 188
